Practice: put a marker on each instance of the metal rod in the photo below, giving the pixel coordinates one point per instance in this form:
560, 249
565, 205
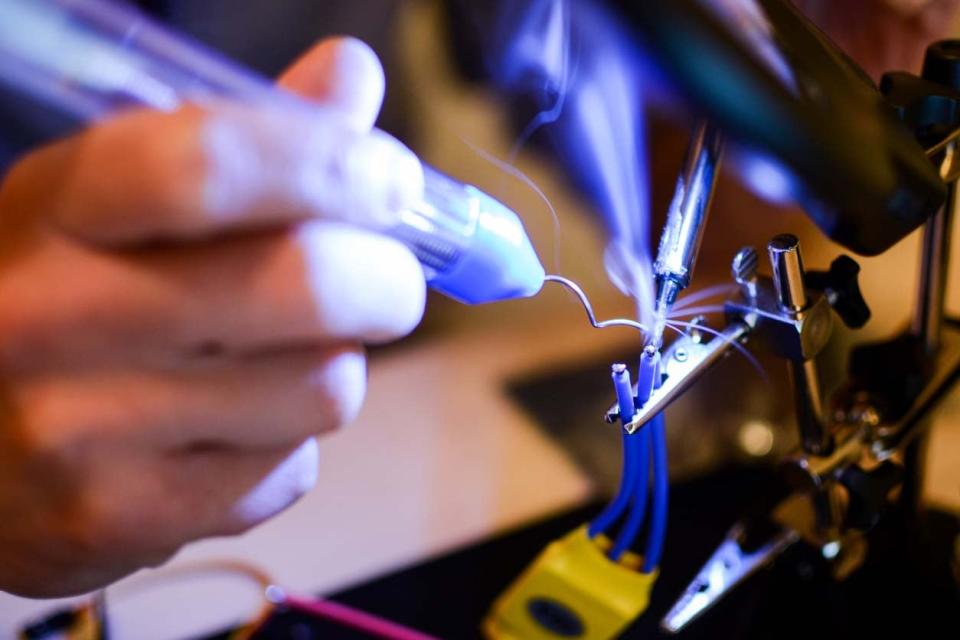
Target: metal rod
788, 278
934, 262
809, 407
788, 272
686, 220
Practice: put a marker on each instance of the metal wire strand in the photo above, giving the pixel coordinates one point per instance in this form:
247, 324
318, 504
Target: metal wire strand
703, 294
602, 324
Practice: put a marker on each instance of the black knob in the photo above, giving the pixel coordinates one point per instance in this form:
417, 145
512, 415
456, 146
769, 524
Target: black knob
868, 492
842, 288
941, 64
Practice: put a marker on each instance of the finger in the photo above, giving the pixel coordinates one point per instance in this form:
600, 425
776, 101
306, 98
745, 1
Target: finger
317, 284
146, 176
343, 74
322, 283
269, 402
139, 509
228, 492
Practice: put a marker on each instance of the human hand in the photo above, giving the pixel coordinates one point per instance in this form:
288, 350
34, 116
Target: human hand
183, 303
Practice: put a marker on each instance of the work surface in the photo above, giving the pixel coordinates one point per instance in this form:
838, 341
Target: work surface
796, 600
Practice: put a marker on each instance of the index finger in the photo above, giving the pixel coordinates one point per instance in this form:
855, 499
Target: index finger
145, 176
343, 74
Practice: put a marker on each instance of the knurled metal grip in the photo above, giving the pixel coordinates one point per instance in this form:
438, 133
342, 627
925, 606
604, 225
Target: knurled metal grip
744, 269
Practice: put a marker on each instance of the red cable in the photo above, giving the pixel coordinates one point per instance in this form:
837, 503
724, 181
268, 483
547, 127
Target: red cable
353, 618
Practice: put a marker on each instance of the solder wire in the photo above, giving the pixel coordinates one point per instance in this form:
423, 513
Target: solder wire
601, 324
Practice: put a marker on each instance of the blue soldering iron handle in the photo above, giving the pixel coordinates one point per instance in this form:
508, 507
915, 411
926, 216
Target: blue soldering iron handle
85, 59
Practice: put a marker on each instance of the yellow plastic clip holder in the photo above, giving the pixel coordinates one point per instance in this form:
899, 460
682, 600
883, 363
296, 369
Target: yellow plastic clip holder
572, 590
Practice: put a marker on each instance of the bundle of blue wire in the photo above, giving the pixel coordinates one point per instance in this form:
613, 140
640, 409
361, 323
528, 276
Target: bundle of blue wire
643, 451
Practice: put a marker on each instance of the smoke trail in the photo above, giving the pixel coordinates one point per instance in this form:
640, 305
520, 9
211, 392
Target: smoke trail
508, 168
608, 113
565, 65
593, 117
602, 138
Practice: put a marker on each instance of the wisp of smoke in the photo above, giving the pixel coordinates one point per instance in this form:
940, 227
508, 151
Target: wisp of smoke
507, 167
595, 122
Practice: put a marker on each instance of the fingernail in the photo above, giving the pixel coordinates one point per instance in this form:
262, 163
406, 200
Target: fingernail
358, 84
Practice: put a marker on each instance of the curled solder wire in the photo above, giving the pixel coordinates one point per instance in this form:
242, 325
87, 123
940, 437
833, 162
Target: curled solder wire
672, 323
601, 324
626, 322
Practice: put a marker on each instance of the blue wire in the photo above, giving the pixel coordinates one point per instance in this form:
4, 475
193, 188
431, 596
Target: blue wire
661, 487
616, 508
640, 445
634, 488
624, 391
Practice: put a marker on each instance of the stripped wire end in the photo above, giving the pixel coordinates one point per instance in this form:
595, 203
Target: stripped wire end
624, 392
648, 375
648, 379
588, 308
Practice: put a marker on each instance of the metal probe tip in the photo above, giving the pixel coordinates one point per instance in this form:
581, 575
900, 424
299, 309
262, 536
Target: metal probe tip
666, 295
659, 326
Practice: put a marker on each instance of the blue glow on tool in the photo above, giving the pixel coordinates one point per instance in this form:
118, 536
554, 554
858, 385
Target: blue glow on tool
88, 59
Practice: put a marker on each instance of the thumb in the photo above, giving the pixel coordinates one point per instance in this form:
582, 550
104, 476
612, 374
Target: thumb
343, 74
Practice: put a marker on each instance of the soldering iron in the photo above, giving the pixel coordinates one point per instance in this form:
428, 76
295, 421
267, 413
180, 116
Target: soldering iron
685, 224
85, 59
